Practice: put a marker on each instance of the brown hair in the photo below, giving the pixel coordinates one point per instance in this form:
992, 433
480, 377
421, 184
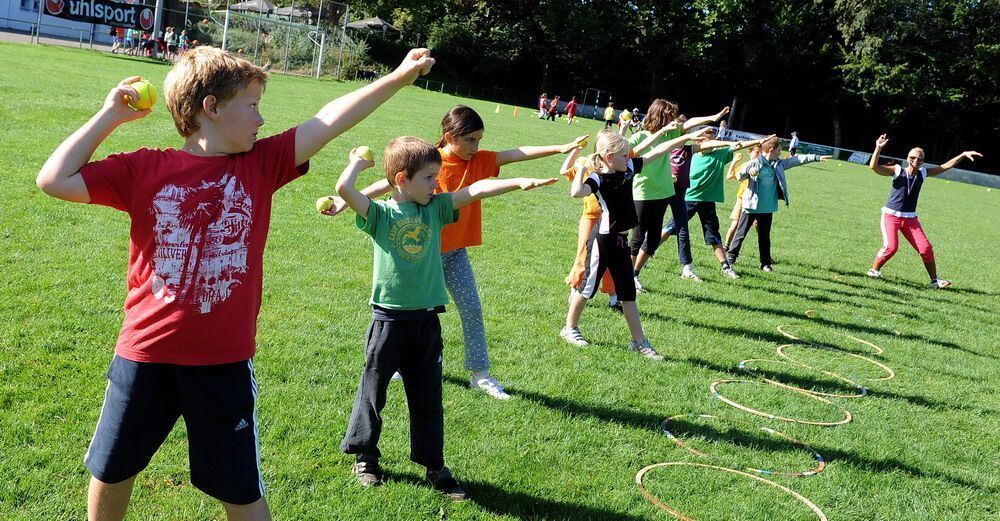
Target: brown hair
202, 72
408, 154
459, 121
770, 144
660, 113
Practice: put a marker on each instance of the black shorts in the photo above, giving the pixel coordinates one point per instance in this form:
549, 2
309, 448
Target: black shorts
610, 253
217, 402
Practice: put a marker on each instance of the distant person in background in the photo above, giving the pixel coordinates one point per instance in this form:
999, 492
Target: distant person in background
723, 130
793, 145
116, 38
624, 120
571, 111
171, 39
185, 41
900, 212
636, 122
553, 109
543, 105
609, 115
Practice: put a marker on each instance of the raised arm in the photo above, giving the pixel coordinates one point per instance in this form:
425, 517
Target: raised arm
677, 142
567, 166
534, 152
704, 120
648, 142
578, 188
346, 188
348, 110
873, 162
372, 191
486, 188
60, 175
937, 170
731, 173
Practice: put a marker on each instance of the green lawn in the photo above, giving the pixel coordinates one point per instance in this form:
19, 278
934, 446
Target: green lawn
922, 445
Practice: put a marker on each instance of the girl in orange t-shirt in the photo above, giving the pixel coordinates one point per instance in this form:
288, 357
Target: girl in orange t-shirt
462, 163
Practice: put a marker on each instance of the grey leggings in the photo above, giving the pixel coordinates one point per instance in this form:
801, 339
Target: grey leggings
461, 284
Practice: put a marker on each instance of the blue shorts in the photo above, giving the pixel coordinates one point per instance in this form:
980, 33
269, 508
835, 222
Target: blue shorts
142, 404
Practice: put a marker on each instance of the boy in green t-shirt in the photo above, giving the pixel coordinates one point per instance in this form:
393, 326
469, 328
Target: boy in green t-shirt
408, 292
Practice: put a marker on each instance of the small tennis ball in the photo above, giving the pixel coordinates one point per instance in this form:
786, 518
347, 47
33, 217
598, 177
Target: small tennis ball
324, 203
363, 152
583, 144
147, 95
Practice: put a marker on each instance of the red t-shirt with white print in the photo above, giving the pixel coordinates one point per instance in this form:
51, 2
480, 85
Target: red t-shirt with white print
196, 246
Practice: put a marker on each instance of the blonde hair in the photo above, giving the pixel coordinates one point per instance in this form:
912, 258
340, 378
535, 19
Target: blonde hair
201, 72
608, 142
408, 154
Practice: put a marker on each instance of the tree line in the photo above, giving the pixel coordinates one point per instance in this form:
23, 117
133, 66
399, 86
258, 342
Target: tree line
837, 71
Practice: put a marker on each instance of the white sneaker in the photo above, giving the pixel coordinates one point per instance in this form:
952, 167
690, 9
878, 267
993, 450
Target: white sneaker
491, 386
646, 350
875, 274
940, 283
396, 377
766, 268
728, 271
638, 285
688, 273
573, 336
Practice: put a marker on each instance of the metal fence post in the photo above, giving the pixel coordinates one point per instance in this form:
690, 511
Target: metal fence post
225, 29
322, 45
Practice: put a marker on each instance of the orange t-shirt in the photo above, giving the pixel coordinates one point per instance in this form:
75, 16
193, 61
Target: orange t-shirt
456, 174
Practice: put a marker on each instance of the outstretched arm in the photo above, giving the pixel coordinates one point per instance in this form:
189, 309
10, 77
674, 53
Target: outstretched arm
873, 162
493, 187
937, 170
534, 152
704, 120
348, 110
346, 188
60, 175
675, 143
648, 142
567, 166
579, 188
731, 173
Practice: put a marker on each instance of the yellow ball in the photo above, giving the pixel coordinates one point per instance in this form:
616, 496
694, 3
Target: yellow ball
364, 153
147, 95
324, 203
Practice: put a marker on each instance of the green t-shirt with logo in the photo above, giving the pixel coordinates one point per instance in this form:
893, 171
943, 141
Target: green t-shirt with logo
767, 190
407, 271
708, 172
654, 182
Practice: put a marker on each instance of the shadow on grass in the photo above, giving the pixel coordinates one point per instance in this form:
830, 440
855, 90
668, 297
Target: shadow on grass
871, 330
749, 439
805, 382
517, 504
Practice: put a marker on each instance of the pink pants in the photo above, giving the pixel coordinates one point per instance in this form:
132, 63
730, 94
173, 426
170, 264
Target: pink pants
910, 226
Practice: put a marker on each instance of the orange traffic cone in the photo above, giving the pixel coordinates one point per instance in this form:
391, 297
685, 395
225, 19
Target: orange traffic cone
515, 112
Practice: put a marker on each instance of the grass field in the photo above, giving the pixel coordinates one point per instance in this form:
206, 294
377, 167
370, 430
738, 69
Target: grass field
922, 445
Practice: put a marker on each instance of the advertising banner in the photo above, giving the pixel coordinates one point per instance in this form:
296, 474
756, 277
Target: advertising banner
104, 12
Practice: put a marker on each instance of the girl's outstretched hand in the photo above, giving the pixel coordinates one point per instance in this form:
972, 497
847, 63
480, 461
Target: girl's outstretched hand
577, 144
418, 62
531, 184
971, 155
882, 141
339, 205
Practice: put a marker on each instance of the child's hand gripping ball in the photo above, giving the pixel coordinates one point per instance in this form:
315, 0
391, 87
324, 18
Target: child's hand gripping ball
363, 152
147, 95
324, 203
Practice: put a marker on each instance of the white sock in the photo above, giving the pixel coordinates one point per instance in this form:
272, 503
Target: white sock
479, 375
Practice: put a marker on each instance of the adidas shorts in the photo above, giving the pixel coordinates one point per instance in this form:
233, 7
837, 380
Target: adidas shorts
143, 402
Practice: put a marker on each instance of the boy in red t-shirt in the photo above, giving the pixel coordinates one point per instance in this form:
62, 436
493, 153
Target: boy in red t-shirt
199, 221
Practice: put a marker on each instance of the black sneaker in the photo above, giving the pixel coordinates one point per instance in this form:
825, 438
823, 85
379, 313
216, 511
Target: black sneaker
368, 473
445, 483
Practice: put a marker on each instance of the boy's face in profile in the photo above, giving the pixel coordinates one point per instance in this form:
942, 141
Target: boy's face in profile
239, 119
420, 188
773, 154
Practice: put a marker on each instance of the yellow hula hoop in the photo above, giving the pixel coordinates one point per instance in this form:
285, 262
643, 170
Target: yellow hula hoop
861, 390
820, 462
680, 515
890, 374
715, 394
782, 329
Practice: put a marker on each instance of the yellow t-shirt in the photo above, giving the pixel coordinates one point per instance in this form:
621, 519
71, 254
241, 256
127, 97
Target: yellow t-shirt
609, 113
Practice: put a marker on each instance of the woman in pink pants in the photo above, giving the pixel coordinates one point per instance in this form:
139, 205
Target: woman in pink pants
900, 212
